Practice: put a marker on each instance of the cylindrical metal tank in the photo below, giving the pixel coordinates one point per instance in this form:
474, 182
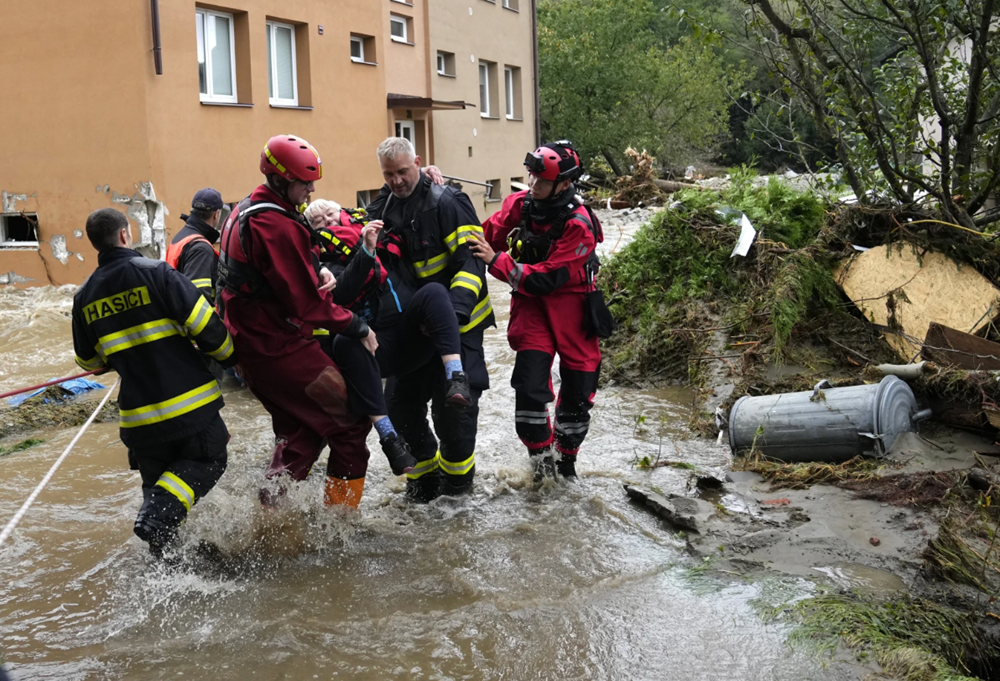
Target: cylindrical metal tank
831, 424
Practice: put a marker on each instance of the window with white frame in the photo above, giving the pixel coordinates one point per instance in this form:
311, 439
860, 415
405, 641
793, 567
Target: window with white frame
484, 89
281, 75
511, 4
446, 63
216, 56
19, 230
357, 48
508, 79
399, 29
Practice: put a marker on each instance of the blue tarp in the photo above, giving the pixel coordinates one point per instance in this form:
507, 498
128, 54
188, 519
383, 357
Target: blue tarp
74, 387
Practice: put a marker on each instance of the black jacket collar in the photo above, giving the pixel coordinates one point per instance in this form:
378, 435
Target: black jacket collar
200, 226
112, 254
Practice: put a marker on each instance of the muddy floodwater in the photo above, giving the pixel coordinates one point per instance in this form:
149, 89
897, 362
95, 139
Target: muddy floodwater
512, 582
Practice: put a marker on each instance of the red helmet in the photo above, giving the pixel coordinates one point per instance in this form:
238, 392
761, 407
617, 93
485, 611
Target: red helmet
556, 161
291, 157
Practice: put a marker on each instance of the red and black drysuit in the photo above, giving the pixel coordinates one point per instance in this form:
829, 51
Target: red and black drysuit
549, 278
270, 301
425, 242
139, 316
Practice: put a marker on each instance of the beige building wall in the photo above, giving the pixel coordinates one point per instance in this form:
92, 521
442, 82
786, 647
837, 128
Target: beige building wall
89, 124
94, 126
466, 143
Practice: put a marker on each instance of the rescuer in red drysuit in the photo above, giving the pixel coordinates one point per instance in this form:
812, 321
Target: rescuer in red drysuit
271, 299
542, 243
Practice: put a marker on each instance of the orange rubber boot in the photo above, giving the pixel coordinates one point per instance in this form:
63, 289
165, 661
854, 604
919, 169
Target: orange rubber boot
340, 492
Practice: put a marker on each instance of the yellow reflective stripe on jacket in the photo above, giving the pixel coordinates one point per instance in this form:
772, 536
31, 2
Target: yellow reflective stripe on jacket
427, 268
172, 408
480, 313
223, 352
202, 283
200, 315
462, 235
178, 488
425, 467
137, 335
320, 332
467, 280
458, 468
90, 364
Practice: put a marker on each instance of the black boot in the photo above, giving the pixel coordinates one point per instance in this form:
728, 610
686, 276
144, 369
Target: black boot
156, 532
566, 466
398, 453
458, 395
542, 464
424, 489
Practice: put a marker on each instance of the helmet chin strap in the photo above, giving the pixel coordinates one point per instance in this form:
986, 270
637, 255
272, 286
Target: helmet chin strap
280, 186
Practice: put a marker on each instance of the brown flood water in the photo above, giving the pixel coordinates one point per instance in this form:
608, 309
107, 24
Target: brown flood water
566, 582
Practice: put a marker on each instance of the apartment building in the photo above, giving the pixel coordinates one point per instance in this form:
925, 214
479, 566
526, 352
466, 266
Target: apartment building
139, 104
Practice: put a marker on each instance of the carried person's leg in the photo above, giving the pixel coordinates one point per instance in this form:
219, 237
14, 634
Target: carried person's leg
407, 396
175, 476
366, 398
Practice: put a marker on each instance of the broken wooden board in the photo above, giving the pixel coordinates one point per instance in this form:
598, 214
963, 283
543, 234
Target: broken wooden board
899, 289
962, 350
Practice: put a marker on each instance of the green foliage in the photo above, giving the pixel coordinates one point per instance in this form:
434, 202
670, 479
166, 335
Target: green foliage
20, 446
912, 639
607, 82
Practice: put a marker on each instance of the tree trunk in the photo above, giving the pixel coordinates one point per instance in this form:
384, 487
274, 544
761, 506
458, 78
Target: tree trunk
615, 168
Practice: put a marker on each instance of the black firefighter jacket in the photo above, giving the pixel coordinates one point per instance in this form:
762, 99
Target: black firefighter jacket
139, 316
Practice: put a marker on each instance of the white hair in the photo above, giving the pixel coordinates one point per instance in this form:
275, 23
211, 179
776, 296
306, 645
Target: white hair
319, 206
394, 147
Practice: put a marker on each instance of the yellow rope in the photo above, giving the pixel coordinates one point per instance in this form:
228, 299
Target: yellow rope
949, 224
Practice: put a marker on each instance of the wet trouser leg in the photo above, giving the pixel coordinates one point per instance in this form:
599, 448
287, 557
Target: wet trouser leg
576, 398
361, 371
457, 429
175, 476
532, 383
432, 312
307, 399
406, 398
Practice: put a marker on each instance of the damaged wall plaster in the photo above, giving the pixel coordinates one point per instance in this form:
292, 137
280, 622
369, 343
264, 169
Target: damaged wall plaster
9, 201
78, 233
14, 278
149, 214
59, 252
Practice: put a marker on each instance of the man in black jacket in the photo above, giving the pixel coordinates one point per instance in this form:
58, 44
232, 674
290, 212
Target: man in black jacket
138, 316
426, 235
191, 252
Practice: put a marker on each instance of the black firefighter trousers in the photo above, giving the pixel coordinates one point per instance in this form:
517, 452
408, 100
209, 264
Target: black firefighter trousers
176, 475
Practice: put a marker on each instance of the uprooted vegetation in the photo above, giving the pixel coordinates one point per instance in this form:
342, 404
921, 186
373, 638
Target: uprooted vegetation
674, 290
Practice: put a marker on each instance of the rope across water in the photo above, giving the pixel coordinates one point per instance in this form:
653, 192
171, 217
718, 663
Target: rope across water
9, 529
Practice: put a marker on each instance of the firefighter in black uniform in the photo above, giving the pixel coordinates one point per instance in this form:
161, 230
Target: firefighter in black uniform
191, 251
426, 233
138, 316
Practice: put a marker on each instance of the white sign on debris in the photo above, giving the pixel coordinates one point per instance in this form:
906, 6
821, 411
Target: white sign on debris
747, 235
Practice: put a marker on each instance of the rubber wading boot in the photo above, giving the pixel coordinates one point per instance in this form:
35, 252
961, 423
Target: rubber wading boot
341, 492
159, 535
457, 485
542, 464
458, 395
398, 453
566, 466
424, 489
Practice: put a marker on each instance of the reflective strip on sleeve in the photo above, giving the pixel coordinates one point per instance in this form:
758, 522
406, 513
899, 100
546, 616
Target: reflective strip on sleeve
480, 313
201, 313
137, 335
172, 408
178, 488
224, 351
514, 276
202, 283
320, 332
469, 281
90, 364
458, 468
424, 467
427, 268
462, 235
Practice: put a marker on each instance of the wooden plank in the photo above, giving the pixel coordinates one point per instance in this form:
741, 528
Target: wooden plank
963, 350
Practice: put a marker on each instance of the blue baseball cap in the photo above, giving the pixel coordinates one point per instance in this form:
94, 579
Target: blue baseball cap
207, 199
